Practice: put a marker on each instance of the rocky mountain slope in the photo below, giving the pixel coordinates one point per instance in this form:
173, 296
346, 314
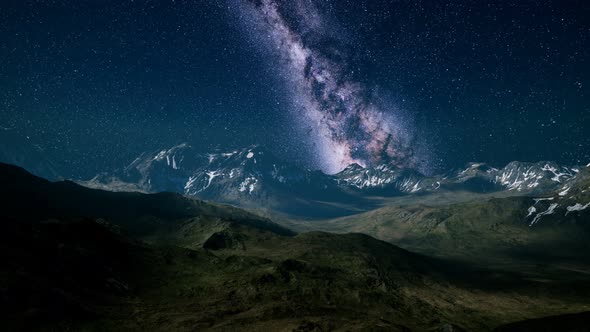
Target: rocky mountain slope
553, 227
250, 177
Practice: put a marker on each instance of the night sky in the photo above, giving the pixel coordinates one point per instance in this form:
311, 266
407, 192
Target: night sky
430, 85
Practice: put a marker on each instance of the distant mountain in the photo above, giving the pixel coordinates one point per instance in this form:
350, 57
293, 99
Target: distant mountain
518, 177
252, 177
18, 150
385, 179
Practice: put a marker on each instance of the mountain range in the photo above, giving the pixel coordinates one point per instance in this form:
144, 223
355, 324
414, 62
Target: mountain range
253, 178
240, 240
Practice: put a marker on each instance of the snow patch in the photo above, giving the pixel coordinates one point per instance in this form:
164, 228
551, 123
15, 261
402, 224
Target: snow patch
190, 182
557, 175
174, 162
249, 184
565, 190
416, 187
549, 211
532, 210
576, 207
537, 200
211, 175
160, 155
130, 166
407, 185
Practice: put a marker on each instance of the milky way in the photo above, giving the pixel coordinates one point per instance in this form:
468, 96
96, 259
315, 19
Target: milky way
347, 122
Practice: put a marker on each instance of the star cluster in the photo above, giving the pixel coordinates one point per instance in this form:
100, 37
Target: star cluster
346, 120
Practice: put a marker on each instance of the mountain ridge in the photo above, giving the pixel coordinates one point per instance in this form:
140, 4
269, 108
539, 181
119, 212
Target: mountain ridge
253, 177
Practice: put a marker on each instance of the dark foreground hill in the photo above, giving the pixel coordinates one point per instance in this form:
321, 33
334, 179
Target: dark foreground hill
80, 259
569, 322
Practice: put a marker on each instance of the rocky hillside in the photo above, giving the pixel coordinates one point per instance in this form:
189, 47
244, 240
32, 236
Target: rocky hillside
544, 228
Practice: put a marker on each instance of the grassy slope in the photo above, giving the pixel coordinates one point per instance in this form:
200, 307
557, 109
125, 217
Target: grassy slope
484, 230
577, 322
104, 281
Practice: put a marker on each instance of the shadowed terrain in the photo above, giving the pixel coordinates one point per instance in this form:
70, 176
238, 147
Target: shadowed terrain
84, 259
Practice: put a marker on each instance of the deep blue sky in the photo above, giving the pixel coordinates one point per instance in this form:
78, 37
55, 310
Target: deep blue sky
95, 83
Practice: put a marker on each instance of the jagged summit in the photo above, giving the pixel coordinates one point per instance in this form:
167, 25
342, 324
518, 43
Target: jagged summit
354, 167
